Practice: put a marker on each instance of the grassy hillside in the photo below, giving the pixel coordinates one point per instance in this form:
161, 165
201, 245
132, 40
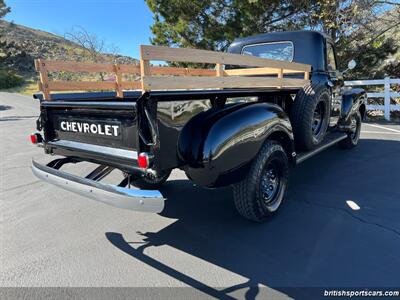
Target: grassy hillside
20, 45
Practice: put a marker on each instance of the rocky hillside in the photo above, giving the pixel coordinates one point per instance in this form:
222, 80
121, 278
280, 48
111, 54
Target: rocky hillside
20, 45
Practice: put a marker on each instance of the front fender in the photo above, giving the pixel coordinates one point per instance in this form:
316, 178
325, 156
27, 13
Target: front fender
216, 146
353, 100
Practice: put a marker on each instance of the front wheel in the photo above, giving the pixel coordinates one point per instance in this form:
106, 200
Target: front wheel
263, 190
354, 133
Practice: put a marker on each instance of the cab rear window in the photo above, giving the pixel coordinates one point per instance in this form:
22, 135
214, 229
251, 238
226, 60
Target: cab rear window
275, 50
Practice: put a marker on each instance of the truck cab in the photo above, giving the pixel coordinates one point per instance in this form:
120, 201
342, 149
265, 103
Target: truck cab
308, 47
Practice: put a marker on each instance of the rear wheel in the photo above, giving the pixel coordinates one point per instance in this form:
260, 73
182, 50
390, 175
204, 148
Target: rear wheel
151, 182
310, 116
354, 133
263, 190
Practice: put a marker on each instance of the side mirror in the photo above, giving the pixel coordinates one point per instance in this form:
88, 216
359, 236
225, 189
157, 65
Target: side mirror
351, 65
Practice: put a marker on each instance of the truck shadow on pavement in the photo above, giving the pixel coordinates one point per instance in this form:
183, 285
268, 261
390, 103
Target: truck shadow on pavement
5, 107
316, 240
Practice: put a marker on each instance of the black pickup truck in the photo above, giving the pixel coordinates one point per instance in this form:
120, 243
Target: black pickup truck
248, 138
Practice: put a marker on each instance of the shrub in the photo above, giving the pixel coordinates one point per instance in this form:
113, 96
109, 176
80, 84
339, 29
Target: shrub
9, 79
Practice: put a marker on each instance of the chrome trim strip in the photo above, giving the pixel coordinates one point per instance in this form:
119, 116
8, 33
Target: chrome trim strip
121, 153
92, 104
151, 201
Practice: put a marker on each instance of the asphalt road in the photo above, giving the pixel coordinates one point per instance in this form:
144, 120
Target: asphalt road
51, 237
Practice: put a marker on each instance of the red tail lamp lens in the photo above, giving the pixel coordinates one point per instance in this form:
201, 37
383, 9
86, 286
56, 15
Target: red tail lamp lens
34, 138
143, 160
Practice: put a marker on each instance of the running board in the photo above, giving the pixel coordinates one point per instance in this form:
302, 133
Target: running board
330, 140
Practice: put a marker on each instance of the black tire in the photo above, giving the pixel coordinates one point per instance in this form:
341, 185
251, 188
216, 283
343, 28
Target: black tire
150, 182
354, 134
310, 116
253, 197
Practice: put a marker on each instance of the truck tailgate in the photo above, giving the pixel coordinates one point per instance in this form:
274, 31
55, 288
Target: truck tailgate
99, 129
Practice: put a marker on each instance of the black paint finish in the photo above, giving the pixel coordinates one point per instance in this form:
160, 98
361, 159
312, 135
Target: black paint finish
217, 145
309, 46
353, 100
94, 113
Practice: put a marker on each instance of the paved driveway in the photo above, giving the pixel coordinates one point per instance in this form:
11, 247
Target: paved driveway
50, 237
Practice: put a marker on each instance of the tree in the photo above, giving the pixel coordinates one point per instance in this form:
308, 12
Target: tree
374, 45
4, 9
214, 24
94, 47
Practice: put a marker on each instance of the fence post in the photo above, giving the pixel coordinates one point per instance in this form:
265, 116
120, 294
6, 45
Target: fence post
387, 98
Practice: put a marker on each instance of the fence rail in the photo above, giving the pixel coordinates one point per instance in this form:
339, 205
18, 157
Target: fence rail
387, 94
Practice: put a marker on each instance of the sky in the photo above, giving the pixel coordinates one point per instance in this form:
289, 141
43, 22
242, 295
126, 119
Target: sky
122, 23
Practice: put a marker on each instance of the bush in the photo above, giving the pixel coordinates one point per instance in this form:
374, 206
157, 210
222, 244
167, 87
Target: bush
9, 79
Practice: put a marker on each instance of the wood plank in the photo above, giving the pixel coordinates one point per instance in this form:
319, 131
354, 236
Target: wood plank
41, 66
200, 72
81, 85
181, 71
73, 66
213, 57
280, 76
118, 81
130, 69
168, 71
219, 68
144, 68
131, 85
259, 71
168, 83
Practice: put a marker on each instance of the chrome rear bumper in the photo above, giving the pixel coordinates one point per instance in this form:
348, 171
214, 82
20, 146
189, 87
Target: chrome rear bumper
133, 199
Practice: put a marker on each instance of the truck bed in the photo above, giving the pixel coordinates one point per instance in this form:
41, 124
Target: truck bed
253, 73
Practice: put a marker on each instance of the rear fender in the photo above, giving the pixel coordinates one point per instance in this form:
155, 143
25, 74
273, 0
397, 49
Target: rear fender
352, 101
216, 146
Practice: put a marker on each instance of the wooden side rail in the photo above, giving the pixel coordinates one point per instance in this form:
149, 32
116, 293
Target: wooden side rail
224, 79
167, 78
46, 85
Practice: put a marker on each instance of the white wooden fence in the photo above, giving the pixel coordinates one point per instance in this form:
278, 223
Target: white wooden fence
387, 93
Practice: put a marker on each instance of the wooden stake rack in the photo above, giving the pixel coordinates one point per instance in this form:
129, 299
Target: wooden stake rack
173, 78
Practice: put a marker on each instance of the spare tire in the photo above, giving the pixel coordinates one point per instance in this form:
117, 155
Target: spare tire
310, 116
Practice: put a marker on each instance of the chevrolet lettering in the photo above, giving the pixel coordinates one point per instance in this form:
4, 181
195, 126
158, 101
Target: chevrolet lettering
83, 127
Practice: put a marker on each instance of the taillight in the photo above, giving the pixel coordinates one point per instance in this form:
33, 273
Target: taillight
33, 139
36, 138
144, 160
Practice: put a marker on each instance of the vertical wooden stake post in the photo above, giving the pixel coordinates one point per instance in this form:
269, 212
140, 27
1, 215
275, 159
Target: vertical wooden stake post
40, 66
219, 70
280, 76
118, 81
144, 69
